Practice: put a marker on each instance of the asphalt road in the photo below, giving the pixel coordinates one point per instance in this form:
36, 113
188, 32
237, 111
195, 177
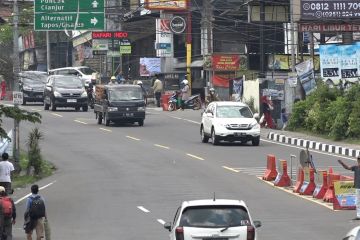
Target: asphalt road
124, 182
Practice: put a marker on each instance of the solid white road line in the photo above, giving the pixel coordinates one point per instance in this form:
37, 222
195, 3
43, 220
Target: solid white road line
143, 209
26, 196
55, 114
80, 122
161, 146
196, 157
162, 222
136, 139
106, 130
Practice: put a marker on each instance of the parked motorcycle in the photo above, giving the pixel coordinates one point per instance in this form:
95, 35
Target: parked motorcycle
193, 102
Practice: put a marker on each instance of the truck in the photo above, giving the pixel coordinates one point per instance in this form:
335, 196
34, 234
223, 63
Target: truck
119, 103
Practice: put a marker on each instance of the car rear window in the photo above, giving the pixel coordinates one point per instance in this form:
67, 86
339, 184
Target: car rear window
215, 216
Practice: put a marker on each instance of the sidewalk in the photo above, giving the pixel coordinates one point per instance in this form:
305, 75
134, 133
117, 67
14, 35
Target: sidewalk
312, 142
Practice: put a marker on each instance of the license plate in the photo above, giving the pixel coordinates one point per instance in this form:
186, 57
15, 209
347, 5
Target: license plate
239, 134
129, 114
71, 100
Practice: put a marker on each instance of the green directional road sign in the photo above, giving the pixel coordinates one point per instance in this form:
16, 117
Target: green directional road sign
58, 15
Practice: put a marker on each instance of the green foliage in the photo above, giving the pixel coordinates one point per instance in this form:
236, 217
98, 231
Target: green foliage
34, 153
330, 112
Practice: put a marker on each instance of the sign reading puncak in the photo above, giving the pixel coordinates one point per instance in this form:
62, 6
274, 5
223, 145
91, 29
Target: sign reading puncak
57, 15
330, 9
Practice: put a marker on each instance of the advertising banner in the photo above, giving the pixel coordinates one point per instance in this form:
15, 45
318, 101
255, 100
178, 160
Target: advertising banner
164, 37
330, 9
345, 194
225, 62
149, 66
283, 61
330, 62
175, 5
348, 62
305, 72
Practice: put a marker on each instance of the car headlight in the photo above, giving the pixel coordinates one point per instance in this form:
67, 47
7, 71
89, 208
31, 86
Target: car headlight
57, 94
225, 125
84, 94
112, 109
141, 108
255, 126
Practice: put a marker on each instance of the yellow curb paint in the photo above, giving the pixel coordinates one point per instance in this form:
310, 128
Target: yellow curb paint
80, 122
104, 129
55, 114
161, 146
231, 169
136, 139
196, 157
309, 198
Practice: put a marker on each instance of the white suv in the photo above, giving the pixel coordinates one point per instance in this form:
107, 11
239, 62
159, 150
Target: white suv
229, 121
213, 219
83, 72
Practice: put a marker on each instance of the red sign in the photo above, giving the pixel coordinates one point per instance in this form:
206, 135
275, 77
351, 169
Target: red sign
226, 62
329, 27
109, 35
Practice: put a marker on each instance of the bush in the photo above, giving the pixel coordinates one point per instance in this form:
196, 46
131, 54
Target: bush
34, 153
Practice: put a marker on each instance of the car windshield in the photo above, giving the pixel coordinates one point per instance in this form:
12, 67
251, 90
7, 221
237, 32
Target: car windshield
68, 82
87, 70
125, 94
33, 79
215, 217
233, 112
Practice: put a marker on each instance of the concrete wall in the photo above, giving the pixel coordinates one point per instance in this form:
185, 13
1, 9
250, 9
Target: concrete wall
251, 90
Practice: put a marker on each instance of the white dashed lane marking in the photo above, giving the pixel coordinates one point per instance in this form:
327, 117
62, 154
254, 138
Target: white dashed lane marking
143, 209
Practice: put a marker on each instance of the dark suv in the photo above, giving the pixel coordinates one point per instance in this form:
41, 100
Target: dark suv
65, 91
32, 85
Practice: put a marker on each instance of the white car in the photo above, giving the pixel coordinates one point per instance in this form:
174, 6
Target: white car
353, 234
83, 72
213, 219
229, 121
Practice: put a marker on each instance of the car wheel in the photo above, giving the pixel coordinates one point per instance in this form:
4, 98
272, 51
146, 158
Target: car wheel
99, 118
171, 107
46, 106
53, 107
214, 138
77, 109
141, 123
256, 141
24, 102
85, 108
204, 138
107, 121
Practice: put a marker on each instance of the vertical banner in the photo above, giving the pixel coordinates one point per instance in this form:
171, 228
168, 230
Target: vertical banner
164, 38
348, 62
330, 63
305, 72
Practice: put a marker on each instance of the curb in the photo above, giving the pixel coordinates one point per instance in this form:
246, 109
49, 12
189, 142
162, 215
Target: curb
324, 147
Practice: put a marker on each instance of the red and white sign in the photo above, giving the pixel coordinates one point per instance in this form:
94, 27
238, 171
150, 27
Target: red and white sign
109, 35
164, 37
176, 5
225, 62
329, 27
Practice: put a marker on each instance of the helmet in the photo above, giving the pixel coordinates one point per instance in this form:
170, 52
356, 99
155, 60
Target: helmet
139, 82
185, 81
113, 78
211, 90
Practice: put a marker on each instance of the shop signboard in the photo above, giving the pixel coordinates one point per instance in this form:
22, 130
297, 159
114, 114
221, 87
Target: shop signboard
225, 62
321, 10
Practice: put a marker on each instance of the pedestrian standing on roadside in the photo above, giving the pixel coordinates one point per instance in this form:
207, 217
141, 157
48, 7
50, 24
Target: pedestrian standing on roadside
6, 168
7, 215
284, 118
266, 108
356, 170
157, 88
185, 93
34, 214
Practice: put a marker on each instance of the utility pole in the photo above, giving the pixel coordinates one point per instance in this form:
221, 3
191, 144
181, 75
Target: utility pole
262, 49
207, 22
16, 70
189, 45
292, 29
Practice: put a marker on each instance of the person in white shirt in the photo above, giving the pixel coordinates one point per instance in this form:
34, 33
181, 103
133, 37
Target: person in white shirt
6, 168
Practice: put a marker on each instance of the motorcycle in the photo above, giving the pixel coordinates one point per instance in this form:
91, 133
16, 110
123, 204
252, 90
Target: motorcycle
91, 97
193, 102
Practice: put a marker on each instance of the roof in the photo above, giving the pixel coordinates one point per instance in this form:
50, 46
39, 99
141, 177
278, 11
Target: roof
211, 202
231, 103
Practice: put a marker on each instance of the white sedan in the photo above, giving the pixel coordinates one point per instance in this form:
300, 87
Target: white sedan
229, 121
213, 219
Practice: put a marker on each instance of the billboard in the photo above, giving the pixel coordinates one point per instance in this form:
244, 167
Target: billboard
330, 9
175, 5
149, 66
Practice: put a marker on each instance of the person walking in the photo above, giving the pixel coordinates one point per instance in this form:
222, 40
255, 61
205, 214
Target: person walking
3, 89
6, 168
356, 170
7, 215
35, 213
185, 93
157, 88
284, 118
266, 107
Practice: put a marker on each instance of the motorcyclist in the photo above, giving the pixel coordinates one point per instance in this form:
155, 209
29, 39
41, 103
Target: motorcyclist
140, 83
185, 93
212, 97
90, 92
113, 81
